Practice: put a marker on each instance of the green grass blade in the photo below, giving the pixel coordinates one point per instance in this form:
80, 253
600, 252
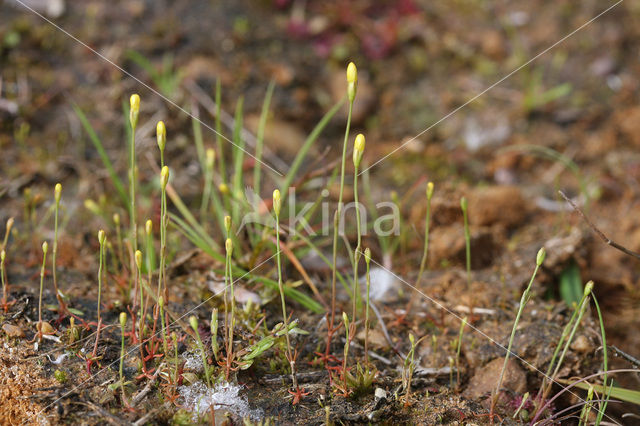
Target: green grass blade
97, 143
627, 395
238, 157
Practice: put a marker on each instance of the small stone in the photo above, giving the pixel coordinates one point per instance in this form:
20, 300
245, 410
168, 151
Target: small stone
582, 345
376, 338
380, 393
485, 380
13, 330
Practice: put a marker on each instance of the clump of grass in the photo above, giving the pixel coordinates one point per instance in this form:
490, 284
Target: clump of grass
523, 301
62, 307
45, 248
277, 203
408, 368
193, 321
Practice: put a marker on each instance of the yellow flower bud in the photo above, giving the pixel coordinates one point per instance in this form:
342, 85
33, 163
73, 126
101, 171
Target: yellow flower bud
116, 219
9, 224
223, 188
542, 253
123, 319
229, 246
164, 176
161, 135
429, 190
463, 204
101, 236
352, 73
358, 149
193, 321
92, 206
276, 202
211, 158
134, 101
138, 256
148, 227
57, 192
45, 247
367, 255
588, 288
227, 223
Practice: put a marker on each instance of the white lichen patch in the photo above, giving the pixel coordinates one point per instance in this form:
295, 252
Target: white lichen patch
224, 397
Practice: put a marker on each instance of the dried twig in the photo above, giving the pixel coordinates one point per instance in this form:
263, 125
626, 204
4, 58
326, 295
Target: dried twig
599, 233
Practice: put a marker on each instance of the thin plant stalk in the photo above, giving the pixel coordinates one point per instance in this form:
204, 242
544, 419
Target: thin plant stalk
358, 151
102, 238
208, 181
164, 222
138, 258
45, 248
218, 119
133, 120
352, 84
231, 320
7, 232
605, 361
193, 321
214, 333
123, 324
367, 259
57, 192
427, 223
459, 347
150, 258
116, 221
523, 301
165, 346
260, 137
276, 209
174, 339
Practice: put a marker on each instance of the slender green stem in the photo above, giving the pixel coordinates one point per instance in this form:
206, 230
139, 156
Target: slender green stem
45, 246
123, 323
223, 172
260, 137
165, 346
523, 301
367, 258
285, 318
356, 252
61, 304
605, 361
467, 240
459, 347
194, 324
427, 222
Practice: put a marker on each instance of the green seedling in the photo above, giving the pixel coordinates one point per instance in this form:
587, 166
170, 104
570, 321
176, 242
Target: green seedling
102, 239
358, 151
5, 283
277, 204
523, 301
164, 222
427, 222
367, 259
452, 364
348, 329
193, 321
467, 239
45, 248
525, 398
214, 333
605, 362
458, 348
352, 86
62, 307
408, 368
586, 408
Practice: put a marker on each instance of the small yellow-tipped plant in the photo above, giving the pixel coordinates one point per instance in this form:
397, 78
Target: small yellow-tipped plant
367, 260
134, 112
231, 320
523, 301
277, 204
7, 232
467, 239
45, 248
102, 239
214, 333
161, 137
164, 223
352, 86
349, 336
358, 151
123, 324
62, 307
193, 321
